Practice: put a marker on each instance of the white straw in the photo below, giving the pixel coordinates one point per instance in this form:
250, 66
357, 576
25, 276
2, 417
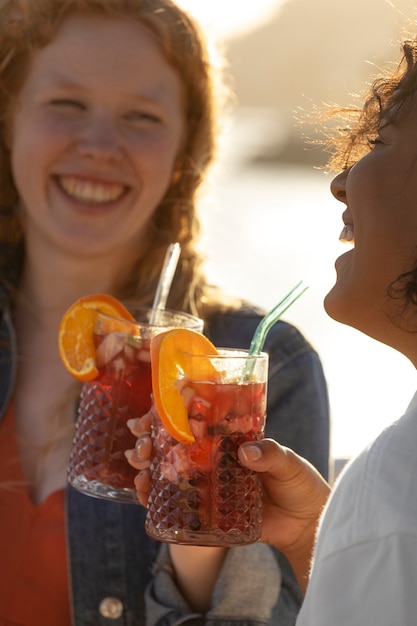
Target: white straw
165, 280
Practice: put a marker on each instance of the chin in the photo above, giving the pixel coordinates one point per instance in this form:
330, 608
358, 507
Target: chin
338, 306
331, 307
86, 243
338, 302
359, 316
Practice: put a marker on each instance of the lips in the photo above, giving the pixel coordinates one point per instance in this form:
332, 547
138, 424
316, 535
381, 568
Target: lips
91, 192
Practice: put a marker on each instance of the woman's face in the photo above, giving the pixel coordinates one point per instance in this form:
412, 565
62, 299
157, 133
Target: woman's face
380, 194
94, 137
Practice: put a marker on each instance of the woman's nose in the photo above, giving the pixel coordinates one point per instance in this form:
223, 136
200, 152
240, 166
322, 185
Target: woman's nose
100, 141
338, 186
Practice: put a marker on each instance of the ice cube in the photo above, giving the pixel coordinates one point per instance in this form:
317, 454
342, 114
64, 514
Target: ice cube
198, 427
200, 407
109, 348
144, 355
187, 393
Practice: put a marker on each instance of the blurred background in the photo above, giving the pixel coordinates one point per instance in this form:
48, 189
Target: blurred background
269, 219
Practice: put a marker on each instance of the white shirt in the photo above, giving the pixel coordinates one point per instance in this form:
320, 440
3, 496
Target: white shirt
365, 563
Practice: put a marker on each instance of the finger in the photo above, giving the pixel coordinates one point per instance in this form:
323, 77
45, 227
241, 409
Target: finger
140, 456
132, 459
142, 486
278, 463
289, 480
138, 426
264, 456
144, 448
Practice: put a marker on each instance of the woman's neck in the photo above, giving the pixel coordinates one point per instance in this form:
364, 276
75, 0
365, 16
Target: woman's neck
51, 283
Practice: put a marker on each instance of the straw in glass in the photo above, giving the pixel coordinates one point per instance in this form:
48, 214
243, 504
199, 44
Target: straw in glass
165, 280
267, 322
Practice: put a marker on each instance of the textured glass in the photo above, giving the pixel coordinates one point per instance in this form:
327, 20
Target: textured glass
199, 492
97, 463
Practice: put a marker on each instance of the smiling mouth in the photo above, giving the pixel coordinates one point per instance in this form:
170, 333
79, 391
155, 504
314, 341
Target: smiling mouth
347, 235
91, 192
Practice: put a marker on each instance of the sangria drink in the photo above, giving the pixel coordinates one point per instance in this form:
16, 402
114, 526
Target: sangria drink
200, 493
121, 391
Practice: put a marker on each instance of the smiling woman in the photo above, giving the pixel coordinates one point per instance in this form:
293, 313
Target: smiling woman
127, 134
364, 541
108, 116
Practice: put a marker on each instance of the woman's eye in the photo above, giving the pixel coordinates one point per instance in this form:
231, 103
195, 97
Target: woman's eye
143, 116
374, 141
62, 103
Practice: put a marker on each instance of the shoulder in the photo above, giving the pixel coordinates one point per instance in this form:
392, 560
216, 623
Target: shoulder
376, 496
366, 553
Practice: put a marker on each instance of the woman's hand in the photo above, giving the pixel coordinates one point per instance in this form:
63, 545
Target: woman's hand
196, 567
294, 492
140, 456
294, 496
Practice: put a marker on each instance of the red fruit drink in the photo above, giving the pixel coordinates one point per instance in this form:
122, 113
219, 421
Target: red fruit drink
121, 391
200, 493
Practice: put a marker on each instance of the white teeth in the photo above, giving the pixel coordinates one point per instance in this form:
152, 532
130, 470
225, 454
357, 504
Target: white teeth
347, 235
87, 191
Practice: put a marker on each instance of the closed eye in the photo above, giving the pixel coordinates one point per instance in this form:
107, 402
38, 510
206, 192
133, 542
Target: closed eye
143, 116
374, 141
67, 103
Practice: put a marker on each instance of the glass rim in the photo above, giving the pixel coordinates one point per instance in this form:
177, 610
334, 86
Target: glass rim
230, 353
132, 307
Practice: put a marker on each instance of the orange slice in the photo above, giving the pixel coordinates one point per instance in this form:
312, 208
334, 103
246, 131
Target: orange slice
170, 354
75, 337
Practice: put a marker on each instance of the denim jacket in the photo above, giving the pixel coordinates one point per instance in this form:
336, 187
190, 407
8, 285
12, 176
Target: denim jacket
122, 577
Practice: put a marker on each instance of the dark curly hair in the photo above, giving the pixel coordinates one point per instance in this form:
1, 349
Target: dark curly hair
388, 99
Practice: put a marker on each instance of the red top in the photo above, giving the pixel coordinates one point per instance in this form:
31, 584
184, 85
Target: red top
33, 560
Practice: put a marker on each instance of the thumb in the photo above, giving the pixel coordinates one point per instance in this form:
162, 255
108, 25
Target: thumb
262, 456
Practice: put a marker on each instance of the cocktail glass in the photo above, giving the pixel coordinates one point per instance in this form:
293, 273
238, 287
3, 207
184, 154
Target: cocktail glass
200, 494
122, 390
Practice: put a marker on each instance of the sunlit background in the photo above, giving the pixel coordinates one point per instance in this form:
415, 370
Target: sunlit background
269, 219
231, 17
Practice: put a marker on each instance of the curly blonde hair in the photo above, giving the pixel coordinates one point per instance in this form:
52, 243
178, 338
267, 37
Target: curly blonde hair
28, 25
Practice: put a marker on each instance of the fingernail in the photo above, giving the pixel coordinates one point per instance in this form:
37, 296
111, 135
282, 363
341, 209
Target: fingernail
251, 453
129, 454
140, 447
